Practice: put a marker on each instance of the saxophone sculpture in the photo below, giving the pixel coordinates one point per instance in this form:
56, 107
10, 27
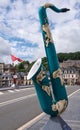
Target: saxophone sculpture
52, 106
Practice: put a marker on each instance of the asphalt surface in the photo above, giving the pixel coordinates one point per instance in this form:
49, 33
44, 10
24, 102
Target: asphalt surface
70, 118
20, 106
72, 114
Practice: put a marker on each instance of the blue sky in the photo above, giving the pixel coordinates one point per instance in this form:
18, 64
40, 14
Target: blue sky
20, 32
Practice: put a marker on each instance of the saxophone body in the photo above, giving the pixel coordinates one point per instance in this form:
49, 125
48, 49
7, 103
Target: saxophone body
52, 106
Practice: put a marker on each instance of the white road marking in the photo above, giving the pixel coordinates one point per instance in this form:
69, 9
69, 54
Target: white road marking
27, 88
12, 91
23, 89
1, 93
73, 93
16, 100
31, 122
73, 121
17, 90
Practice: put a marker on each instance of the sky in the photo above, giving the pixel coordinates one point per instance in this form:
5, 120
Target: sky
20, 30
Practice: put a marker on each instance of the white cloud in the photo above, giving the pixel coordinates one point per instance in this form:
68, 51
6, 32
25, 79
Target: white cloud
5, 51
20, 20
4, 47
4, 2
67, 37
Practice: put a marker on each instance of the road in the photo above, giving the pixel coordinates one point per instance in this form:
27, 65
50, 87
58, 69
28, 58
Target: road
17, 107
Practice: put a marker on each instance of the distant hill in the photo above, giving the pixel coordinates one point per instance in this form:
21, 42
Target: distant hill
69, 56
61, 56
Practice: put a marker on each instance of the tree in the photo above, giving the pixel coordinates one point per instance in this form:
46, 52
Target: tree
61, 56
21, 66
65, 56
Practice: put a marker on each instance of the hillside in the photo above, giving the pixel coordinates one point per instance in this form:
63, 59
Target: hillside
61, 57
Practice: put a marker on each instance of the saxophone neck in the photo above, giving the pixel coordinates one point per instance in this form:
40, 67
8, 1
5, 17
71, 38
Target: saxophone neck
42, 11
51, 6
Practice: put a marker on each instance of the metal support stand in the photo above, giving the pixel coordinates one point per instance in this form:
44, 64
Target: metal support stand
56, 123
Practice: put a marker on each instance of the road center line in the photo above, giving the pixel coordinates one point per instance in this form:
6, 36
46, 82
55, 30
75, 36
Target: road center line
31, 122
16, 100
34, 120
73, 93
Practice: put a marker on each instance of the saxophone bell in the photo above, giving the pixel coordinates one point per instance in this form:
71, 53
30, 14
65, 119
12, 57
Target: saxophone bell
41, 82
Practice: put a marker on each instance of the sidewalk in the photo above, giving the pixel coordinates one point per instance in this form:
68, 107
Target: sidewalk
71, 115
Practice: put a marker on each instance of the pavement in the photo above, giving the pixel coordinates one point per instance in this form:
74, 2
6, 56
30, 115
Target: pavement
68, 120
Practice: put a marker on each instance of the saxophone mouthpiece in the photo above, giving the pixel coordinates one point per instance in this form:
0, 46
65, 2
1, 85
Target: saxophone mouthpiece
65, 10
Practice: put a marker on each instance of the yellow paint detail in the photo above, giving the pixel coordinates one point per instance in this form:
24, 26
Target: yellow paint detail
60, 106
41, 76
48, 35
46, 89
47, 5
57, 74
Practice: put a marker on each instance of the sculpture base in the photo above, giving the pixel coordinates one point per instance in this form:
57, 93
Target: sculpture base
56, 123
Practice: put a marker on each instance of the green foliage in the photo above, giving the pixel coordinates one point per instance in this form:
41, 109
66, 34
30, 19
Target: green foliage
71, 56
29, 67
20, 67
45, 63
61, 56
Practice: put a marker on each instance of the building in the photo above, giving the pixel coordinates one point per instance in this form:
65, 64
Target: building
27, 82
71, 71
2, 68
8, 76
6, 68
71, 75
70, 63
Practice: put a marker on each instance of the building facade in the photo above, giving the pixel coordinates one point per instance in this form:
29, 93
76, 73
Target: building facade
2, 68
8, 76
70, 63
71, 72
71, 76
